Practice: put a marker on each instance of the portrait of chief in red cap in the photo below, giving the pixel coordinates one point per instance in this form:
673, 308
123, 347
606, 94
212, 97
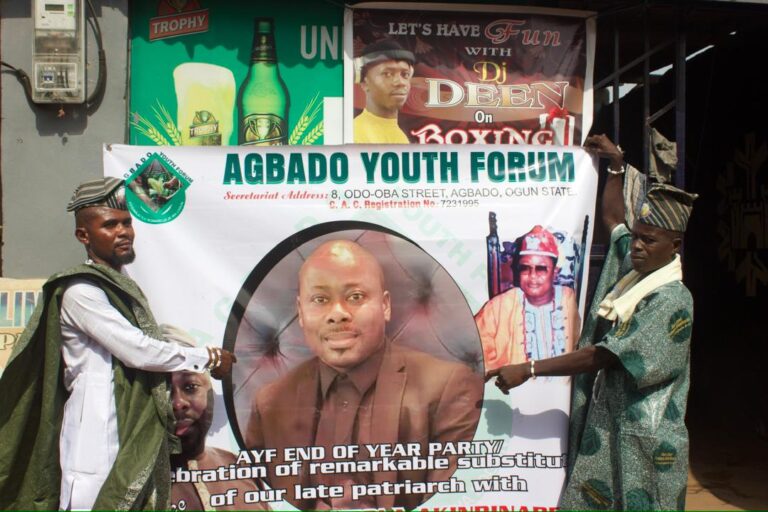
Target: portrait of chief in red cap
535, 320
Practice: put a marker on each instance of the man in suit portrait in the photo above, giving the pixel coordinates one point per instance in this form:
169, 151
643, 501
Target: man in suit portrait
359, 388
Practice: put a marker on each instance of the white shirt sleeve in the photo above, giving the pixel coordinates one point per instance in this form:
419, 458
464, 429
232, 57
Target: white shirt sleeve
86, 308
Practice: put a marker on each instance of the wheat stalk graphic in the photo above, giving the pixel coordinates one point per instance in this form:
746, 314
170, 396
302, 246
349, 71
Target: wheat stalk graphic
313, 135
307, 117
149, 130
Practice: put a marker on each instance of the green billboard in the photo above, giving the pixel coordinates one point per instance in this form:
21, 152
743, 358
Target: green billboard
237, 72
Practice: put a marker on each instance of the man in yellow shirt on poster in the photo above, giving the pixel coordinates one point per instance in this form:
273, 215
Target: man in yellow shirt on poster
386, 69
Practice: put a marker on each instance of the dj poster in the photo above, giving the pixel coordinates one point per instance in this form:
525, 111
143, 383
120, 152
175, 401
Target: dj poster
478, 75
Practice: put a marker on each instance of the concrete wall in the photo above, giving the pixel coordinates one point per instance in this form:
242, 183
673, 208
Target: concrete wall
43, 157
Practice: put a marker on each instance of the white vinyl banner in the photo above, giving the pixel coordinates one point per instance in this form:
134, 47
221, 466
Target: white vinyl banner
483, 252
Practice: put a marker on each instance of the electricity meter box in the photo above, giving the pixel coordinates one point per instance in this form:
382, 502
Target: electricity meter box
58, 52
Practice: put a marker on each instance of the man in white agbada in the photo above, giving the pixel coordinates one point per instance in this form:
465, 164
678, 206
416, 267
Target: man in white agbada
94, 328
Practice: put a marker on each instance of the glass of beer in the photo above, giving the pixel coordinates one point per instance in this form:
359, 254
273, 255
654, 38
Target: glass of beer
205, 99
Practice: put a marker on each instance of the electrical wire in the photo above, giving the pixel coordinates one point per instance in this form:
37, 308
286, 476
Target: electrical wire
94, 99
22, 77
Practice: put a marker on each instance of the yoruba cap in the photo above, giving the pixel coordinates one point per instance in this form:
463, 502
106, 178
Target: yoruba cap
107, 192
539, 242
666, 207
380, 51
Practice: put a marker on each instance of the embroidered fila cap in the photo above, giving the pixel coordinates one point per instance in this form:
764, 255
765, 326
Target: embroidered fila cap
667, 207
107, 192
539, 242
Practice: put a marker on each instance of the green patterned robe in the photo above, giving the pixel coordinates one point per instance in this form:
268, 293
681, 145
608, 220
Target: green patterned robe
628, 444
32, 403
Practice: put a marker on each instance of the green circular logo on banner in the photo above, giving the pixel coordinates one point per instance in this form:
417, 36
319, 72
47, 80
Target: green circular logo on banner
141, 211
155, 192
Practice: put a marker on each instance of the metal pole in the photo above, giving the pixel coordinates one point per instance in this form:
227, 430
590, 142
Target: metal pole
680, 78
616, 80
646, 91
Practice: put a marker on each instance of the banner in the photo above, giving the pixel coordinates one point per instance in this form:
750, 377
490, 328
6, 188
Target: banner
18, 298
412, 271
194, 81
442, 74
243, 73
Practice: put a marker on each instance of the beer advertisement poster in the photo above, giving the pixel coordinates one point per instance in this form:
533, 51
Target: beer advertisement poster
424, 73
365, 291
18, 298
205, 73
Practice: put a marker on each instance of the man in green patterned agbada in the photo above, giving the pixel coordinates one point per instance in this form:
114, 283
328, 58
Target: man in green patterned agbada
628, 446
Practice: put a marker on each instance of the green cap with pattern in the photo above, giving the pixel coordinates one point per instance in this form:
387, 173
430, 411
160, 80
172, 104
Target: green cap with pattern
667, 207
107, 192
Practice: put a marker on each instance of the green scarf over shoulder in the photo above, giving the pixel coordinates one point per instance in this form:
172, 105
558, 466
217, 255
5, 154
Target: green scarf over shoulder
32, 397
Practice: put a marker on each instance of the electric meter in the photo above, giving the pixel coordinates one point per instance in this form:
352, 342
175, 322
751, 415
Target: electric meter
58, 52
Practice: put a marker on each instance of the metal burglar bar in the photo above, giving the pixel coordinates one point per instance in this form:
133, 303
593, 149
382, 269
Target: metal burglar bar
677, 41
615, 75
624, 37
646, 92
680, 78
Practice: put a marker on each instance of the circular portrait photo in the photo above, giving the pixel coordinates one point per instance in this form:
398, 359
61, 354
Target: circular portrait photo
356, 350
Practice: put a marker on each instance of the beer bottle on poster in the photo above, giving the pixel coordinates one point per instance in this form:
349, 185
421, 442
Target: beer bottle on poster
263, 100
